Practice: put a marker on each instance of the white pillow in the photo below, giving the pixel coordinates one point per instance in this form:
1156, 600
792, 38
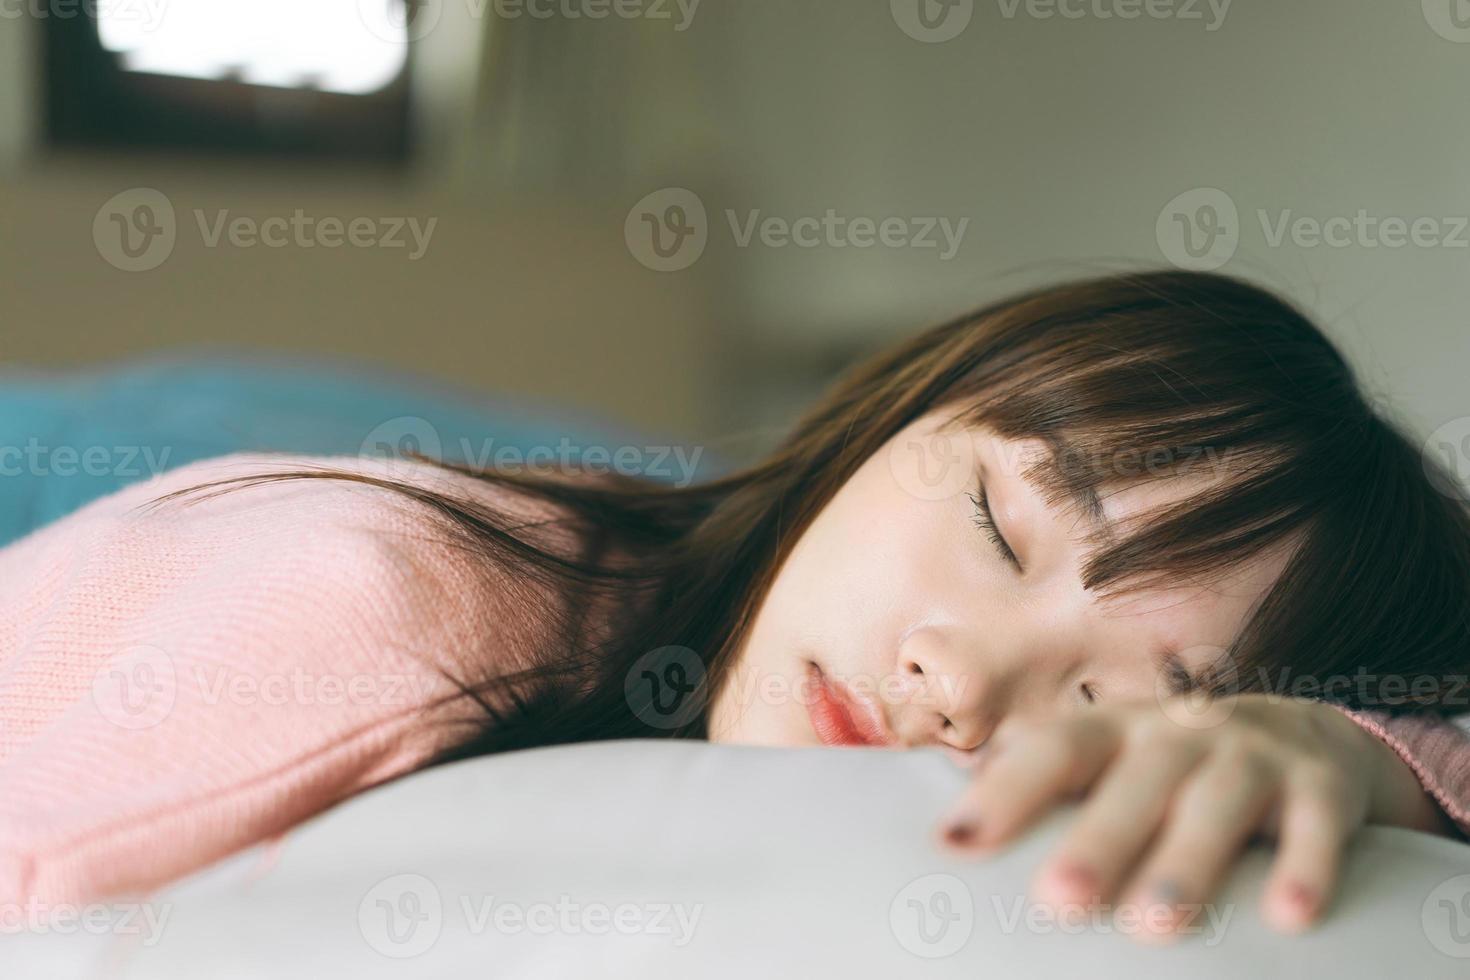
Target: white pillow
667, 859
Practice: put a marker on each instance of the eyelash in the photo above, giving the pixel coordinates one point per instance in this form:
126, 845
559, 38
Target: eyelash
985, 521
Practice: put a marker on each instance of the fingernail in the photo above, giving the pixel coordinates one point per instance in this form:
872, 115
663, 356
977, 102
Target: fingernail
963, 832
1166, 892
1297, 907
1300, 897
1163, 898
1078, 877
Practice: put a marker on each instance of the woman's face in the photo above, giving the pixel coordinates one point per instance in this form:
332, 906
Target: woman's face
901, 618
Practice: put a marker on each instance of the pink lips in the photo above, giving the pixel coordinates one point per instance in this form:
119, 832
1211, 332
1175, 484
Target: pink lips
841, 718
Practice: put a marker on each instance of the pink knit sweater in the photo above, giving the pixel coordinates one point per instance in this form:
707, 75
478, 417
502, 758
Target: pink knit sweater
179, 682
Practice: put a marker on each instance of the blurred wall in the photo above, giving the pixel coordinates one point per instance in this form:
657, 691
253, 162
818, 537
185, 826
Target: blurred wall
1066, 145
532, 297
19, 103
1073, 138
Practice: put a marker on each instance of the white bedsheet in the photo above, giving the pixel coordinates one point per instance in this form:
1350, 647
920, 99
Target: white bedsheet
656, 859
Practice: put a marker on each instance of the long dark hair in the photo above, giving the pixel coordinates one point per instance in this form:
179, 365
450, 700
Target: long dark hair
1168, 367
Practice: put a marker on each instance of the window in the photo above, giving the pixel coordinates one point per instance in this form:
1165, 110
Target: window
286, 77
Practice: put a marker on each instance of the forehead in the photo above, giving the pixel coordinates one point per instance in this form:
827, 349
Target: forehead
1212, 611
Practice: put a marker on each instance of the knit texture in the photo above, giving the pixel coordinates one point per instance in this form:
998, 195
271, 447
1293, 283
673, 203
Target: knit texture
179, 682
1437, 751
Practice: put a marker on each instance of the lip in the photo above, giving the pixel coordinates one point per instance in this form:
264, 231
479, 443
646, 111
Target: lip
840, 717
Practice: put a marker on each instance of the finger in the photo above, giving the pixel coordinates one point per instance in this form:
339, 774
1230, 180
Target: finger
1315, 828
1217, 810
1024, 774
1115, 825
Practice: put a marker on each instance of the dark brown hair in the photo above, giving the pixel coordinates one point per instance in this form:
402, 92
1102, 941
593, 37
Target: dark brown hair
1163, 367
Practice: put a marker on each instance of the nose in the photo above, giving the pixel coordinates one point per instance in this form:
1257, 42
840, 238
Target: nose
950, 696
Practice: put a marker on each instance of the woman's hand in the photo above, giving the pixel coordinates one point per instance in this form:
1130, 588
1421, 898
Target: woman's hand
1173, 793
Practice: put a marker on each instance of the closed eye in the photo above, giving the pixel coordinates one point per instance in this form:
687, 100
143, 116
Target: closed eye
985, 521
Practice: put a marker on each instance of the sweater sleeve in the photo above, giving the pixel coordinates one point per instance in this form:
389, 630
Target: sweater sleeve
180, 682
1438, 752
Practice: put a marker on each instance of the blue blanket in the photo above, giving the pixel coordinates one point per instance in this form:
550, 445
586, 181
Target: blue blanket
68, 438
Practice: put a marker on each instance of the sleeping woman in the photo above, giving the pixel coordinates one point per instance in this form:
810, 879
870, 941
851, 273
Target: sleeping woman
1139, 543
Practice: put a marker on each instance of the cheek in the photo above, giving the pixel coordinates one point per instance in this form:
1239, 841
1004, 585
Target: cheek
875, 561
